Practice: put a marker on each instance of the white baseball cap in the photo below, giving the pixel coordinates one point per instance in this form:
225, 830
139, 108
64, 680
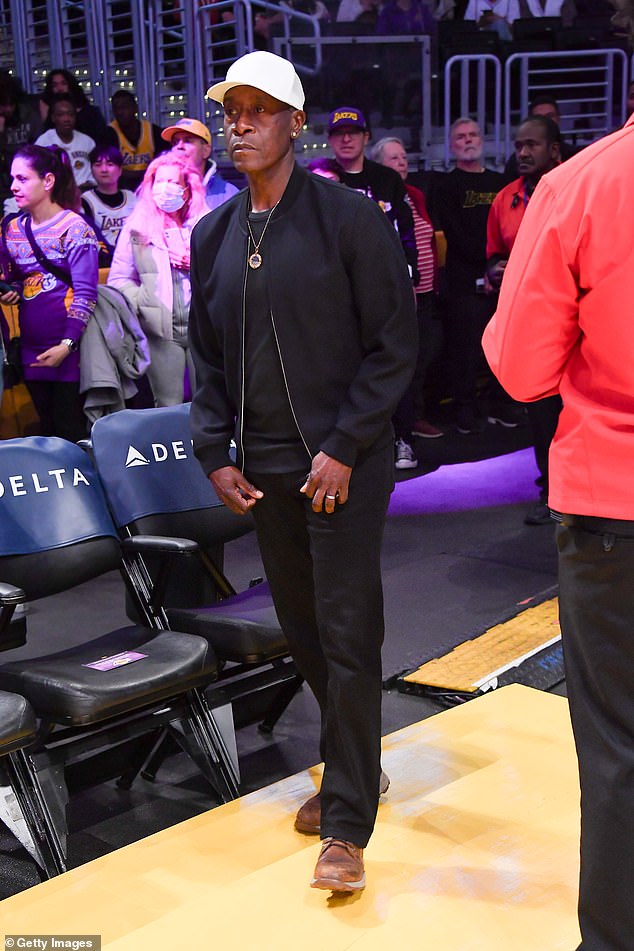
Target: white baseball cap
266, 71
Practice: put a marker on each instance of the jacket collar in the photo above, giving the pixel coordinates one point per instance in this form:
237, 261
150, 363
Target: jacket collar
296, 182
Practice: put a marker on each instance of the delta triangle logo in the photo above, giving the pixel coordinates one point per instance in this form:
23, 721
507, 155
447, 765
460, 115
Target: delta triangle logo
135, 458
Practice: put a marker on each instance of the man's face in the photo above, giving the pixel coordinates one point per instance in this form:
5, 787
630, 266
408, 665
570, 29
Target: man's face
192, 147
106, 172
348, 143
258, 129
63, 115
466, 142
59, 84
124, 110
546, 109
535, 155
395, 156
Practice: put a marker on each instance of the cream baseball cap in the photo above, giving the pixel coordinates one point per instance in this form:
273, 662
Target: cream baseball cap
266, 71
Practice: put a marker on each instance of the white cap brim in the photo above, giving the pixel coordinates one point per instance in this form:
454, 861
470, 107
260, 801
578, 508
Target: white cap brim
219, 90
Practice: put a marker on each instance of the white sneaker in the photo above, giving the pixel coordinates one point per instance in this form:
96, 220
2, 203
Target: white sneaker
405, 457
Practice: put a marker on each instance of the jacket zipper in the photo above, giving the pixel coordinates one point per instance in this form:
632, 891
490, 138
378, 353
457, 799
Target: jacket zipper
288, 393
242, 365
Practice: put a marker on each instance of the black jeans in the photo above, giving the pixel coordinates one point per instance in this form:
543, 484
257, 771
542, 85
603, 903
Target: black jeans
543, 416
596, 564
467, 316
411, 405
60, 408
325, 577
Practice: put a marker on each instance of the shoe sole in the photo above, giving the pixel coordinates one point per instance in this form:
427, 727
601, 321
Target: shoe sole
503, 422
333, 885
406, 465
427, 435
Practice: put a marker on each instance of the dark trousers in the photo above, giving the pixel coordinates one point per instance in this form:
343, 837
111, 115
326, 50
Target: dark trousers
543, 416
60, 408
325, 577
467, 316
596, 560
411, 406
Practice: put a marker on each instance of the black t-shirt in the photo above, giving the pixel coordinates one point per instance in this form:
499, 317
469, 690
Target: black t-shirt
459, 204
270, 437
385, 186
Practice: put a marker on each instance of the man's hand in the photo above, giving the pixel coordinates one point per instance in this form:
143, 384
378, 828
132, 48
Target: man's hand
234, 490
496, 273
52, 357
327, 483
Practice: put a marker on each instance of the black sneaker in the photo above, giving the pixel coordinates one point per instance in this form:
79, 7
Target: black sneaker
538, 514
508, 416
469, 424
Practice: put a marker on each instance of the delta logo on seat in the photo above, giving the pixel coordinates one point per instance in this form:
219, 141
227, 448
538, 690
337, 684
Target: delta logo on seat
17, 485
159, 452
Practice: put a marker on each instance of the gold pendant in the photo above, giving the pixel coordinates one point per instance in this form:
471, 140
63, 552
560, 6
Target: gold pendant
255, 260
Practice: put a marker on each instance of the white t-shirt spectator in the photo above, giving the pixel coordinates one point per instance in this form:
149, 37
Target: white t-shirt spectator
78, 149
508, 10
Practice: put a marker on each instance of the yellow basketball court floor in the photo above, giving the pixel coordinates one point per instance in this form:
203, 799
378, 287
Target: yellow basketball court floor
475, 849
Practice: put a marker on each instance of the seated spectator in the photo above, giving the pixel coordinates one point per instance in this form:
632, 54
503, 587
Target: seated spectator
192, 139
546, 105
264, 21
408, 419
496, 15
402, 17
89, 120
327, 168
106, 204
138, 140
357, 11
151, 267
565, 9
20, 123
77, 145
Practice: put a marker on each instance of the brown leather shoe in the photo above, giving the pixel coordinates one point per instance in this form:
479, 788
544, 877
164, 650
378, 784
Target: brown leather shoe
308, 818
339, 867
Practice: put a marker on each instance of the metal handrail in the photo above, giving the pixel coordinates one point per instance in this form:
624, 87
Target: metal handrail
525, 63
481, 112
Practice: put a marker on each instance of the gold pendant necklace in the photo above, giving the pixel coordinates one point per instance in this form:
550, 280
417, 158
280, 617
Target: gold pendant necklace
255, 258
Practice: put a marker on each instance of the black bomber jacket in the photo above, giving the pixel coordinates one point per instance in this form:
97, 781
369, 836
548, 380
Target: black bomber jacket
343, 311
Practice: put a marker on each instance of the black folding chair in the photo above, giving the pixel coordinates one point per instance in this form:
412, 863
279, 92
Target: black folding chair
27, 814
155, 486
57, 533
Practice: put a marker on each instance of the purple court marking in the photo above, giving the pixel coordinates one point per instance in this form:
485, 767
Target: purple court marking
503, 480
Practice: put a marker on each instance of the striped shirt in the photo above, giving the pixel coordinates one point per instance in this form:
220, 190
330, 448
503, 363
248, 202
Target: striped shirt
424, 235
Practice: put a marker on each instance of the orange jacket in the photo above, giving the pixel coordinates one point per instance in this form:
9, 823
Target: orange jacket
564, 324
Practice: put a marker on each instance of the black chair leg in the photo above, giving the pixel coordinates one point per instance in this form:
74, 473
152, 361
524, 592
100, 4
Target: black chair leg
279, 704
38, 817
198, 734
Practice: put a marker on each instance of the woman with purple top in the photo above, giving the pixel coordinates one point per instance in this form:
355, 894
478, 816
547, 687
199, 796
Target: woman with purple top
50, 258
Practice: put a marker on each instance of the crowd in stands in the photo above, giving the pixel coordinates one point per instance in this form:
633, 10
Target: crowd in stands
87, 201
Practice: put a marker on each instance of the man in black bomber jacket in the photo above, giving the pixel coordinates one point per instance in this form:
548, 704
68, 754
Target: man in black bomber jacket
302, 329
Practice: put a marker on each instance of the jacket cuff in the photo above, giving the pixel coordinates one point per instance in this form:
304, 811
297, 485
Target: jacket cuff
341, 448
212, 458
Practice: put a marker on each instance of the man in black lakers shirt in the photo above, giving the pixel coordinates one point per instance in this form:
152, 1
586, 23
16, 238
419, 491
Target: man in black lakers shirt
459, 204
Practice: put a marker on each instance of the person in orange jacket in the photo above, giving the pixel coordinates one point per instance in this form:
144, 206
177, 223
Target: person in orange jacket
563, 327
